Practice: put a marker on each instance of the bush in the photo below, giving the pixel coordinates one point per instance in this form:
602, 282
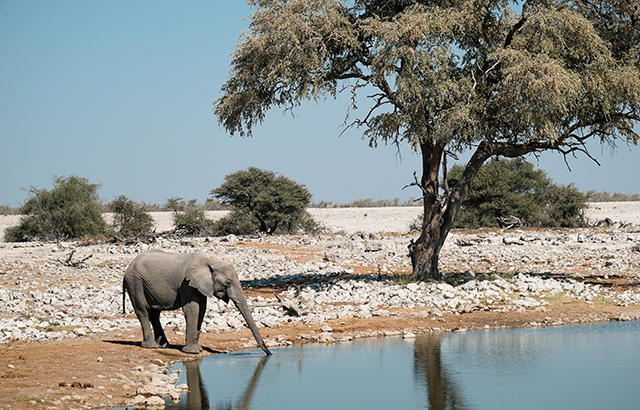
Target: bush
506, 187
236, 223
71, 210
192, 222
263, 201
189, 218
129, 218
564, 207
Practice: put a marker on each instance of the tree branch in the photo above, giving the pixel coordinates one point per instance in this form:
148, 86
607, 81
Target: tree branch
74, 264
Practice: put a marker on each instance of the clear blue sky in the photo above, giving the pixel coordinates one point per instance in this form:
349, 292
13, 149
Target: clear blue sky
122, 93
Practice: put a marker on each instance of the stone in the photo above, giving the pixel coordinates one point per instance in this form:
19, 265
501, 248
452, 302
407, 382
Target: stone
325, 337
408, 335
436, 312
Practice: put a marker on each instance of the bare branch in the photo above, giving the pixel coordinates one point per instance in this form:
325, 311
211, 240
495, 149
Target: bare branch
417, 183
74, 264
291, 306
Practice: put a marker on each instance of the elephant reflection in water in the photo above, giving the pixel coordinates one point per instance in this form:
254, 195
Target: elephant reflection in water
442, 391
197, 398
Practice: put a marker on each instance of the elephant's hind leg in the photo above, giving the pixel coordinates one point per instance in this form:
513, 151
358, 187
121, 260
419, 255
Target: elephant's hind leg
147, 334
158, 332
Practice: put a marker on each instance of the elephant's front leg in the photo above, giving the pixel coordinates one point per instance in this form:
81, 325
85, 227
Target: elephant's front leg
192, 313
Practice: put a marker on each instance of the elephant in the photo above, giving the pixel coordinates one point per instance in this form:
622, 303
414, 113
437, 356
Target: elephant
157, 281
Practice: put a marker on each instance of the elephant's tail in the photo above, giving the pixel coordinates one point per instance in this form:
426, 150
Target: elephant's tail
124, 293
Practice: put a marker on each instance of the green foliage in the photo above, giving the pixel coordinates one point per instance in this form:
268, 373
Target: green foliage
71, 210
177, 204
262, 199
237, 222
564, 207
129, 218
189, 218
513, 187
192, 222
454, 72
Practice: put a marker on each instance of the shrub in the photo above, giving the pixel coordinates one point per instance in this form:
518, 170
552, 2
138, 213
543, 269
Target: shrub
263, 200
564, 207
72, 209
129, 218
236, 223
192, 222
513, 187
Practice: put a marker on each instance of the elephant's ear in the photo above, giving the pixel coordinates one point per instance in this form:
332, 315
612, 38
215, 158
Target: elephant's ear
200, 275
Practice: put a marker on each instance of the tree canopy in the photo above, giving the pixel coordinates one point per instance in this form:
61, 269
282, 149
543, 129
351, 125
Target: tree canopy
496, 77
265, 200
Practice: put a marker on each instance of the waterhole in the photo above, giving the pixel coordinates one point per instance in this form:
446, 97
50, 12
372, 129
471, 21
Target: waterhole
568, 367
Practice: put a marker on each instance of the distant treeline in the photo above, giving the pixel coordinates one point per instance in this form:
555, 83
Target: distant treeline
174, 204
368, 203
179, 204
593, 196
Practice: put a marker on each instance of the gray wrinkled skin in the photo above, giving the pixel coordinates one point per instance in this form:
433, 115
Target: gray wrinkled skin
158, 281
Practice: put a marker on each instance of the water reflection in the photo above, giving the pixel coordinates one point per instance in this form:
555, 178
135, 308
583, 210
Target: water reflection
587, 367
197, 397
298, 366
442, 391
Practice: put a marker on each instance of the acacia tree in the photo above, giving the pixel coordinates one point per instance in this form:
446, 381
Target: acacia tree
497, 77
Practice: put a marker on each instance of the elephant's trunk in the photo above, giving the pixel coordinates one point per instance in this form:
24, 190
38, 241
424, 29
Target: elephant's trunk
243, 307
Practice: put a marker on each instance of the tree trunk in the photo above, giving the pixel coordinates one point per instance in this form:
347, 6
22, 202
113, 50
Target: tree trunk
424, 255
426, 250
440, 211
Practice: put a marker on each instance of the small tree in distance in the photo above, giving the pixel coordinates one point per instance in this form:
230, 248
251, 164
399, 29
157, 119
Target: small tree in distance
71, 210
129, 218
263, 201
188, 217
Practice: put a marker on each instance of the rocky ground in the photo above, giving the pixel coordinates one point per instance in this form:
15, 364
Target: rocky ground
64, 342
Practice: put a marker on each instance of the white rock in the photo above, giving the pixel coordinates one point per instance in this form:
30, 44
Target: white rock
408, 335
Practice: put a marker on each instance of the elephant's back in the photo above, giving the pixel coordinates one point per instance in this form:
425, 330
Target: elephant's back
159, 265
